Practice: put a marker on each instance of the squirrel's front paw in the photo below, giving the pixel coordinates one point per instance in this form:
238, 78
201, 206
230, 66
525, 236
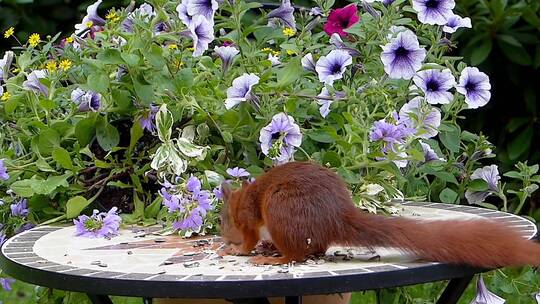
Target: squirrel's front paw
232, 250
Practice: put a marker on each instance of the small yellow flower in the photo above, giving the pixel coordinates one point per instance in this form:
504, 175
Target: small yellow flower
6, 96
9, 32
266, 49
65, 64
276, 53
16, 70
69, 40
291, 52
89, 24
111, 15
173, 46
191, 49
34, 39
177, 63
289, 32
51, 66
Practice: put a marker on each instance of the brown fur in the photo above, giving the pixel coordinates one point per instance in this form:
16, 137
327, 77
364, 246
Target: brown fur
307, 208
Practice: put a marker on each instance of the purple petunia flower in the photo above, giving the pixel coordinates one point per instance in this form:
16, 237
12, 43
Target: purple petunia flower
475, 86
390, 134
429, 153
5, 64
91, 16
238, 172
241, 90
455, 22
484, 296
434, 11
171, 201
202, 32
227, 54
148, 119
19, 208
316, 11
6, 283
285, 13
308, 63
435, 85
32, 82
336, 41
87, 100
205, 8
421, 117
145, 11
327, 100
98, 224
183, 13
218, 192
3, 171
403, 56
490, 174
332, 66
280, 138
274, 59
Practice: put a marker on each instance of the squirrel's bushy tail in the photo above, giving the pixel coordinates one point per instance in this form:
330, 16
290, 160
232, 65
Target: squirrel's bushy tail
479, 243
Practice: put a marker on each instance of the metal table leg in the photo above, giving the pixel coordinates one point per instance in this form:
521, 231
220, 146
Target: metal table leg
293, 300
99, 299
454, 290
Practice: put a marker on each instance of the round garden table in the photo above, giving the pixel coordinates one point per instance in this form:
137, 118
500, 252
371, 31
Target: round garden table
141, 263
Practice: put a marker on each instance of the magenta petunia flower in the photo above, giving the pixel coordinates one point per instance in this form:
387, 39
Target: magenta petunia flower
475, 85
340, 19
98, 224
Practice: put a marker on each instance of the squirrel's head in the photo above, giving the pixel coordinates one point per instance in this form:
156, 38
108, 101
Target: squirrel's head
229, 228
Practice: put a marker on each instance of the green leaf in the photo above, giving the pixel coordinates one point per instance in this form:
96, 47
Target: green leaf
85, 130
478, 185
110, 56
321, 136
152, 210
290, 73
23, 188
131, 60
75, 206
62, 157
107, 135
138, 206
49, 139
136, 132
448, 196
144, 90
189, 149
520, 144
515, 51
98, 82
513, 174
481, 52
451, 139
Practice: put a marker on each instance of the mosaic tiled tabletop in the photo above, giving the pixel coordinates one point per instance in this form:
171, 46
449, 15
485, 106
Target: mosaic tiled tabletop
138, 256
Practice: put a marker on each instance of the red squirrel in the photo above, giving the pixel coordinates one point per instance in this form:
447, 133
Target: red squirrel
304, 208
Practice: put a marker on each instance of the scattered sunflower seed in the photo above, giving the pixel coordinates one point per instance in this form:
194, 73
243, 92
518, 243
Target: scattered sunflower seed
191, 264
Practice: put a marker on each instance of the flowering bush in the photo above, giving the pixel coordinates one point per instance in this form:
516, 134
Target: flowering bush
148, 110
